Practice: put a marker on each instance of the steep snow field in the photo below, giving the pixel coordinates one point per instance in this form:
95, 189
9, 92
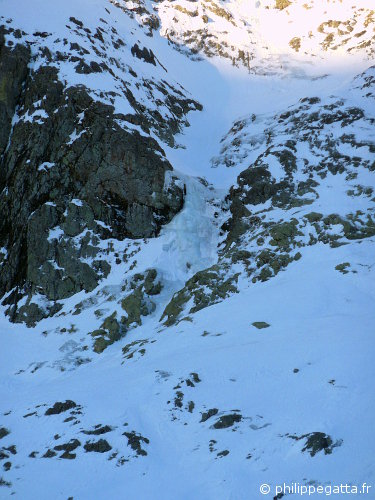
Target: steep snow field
213, 406
322, 329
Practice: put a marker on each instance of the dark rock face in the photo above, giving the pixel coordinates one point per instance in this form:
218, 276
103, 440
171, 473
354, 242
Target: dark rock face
318, 441
70, 176
227, 421
100, 446
210, 413
59, 407
145, 54
3, 432
99, 429
13, 71
70, 446
135, 440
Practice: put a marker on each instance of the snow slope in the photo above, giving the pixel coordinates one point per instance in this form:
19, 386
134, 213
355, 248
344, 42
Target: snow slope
211, 406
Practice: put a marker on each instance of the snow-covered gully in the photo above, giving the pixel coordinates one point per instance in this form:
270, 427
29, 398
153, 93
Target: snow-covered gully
187, 228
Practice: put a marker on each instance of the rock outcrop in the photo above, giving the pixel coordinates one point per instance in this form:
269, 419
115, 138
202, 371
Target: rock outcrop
279, 204
72, 174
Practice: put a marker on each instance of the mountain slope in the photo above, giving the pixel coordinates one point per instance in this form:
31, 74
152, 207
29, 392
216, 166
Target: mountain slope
187, 311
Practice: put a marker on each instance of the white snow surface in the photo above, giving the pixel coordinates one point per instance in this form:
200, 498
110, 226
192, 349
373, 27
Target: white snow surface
311, 370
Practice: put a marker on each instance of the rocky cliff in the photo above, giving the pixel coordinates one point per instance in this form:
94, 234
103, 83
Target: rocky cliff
74, 171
